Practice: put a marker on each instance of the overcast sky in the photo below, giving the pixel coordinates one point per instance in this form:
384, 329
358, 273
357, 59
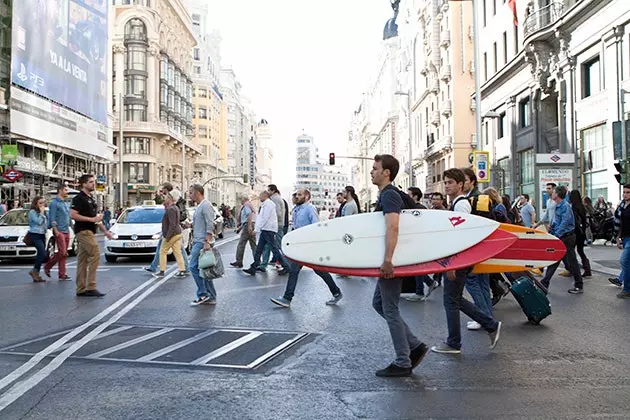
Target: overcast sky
303, 64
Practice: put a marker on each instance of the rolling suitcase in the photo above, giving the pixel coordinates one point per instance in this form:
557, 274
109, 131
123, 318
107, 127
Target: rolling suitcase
533, 301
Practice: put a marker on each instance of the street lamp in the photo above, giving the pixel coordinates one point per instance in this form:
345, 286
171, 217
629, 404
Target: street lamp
408, 95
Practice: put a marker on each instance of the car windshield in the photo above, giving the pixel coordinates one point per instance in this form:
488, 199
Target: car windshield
135, 216
15, 218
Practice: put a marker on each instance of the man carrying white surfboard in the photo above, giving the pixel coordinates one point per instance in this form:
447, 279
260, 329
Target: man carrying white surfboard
454, 301
304, 214
409, 350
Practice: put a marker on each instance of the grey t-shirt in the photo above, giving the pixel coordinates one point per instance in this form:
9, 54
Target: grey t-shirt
350, 208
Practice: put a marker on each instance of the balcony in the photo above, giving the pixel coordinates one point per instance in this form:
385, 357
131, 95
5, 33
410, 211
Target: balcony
445, 73
542, 18
435, 117
445, 38
447, 108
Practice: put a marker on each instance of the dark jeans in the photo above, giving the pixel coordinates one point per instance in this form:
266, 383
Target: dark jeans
39, 242
586, 264
420, 282
268, 237
454, 302
293, 278
570, 261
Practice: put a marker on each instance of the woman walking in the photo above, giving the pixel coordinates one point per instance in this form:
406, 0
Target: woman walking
581, 223
37, 225
171, 235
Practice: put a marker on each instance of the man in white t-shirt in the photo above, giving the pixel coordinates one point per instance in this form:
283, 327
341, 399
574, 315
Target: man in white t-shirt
454, 300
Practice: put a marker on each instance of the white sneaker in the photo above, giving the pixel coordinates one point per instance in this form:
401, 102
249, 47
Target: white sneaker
473, 326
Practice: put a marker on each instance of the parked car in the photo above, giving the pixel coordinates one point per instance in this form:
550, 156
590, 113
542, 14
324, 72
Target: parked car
13, 228
136, 233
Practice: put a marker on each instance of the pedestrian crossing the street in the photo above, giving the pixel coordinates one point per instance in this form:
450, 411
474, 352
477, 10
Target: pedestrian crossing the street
204, 348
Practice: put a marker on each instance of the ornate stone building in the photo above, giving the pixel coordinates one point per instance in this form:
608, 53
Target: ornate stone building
152, 42
554, 86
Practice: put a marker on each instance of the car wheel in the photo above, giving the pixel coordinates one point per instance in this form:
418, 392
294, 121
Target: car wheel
73, 249
50, 248
111, 258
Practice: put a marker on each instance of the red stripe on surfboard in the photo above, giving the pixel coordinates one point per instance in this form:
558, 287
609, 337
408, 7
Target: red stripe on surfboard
498, 241
534, 249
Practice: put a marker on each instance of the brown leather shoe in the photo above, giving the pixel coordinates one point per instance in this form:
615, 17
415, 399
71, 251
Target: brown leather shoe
36, 277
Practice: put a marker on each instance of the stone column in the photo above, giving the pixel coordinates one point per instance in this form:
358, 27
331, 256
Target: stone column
119, 84
153, 82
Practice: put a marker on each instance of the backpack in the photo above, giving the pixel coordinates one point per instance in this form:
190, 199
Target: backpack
183, 214
408, 202
481, 205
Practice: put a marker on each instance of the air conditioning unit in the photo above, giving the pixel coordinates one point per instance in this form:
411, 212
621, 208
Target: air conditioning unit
473, 104
473, 140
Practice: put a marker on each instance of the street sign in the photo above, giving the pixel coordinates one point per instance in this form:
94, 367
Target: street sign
12, 175
481, 164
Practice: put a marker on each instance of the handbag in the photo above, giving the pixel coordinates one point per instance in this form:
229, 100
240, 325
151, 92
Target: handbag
216, 270
207, 259
28, 240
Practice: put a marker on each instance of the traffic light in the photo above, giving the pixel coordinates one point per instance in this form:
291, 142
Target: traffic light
331, 158
622, 167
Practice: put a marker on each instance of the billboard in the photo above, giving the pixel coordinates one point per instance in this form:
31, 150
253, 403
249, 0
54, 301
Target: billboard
59, 51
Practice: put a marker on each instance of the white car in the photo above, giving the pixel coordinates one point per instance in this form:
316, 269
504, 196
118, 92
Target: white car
13, 228
218, 227
135, 233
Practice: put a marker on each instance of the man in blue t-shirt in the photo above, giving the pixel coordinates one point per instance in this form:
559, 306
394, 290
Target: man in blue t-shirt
409, 350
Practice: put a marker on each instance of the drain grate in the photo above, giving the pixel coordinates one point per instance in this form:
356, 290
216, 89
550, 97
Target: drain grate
220, 347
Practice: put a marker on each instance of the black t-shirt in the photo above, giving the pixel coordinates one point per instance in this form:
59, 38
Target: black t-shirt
86, 206
625, 222
390, 201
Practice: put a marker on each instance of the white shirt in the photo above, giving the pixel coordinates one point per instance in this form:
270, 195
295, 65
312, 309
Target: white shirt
462, 205
267, 217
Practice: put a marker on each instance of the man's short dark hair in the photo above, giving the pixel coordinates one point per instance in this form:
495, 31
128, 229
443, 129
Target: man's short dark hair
167, 186
273, 188
438, 195
390, 163
339, 194
526, 197
85, 178
471, 175
626, 186
198, 188
61, 187
415, 192
455, 174
561, 191
551, 184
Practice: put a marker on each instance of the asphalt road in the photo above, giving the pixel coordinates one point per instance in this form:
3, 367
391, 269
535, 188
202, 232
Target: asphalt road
150, 355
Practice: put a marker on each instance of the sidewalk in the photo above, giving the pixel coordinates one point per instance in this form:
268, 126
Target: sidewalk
604, 259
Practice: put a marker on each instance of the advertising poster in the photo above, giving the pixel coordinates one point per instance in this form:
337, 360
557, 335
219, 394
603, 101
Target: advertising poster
559, 176
60, 52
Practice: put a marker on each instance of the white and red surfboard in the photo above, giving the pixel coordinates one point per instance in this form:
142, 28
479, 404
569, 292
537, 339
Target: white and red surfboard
358, 242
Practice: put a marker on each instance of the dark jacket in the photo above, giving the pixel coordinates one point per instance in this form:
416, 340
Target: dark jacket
170, 223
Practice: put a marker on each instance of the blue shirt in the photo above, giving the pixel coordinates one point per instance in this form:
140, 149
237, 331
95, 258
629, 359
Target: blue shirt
37, 222
527, 214
304, 215
563, 223
59, 215
246, 210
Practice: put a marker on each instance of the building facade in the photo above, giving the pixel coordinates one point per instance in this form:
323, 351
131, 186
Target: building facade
152, 64
557, 86
49, 113
209, 110
263, 155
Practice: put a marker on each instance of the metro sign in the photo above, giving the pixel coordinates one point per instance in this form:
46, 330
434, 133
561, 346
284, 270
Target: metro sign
555, 158
12, 175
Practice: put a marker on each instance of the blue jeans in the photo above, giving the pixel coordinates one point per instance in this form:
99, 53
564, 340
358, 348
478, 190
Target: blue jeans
293, 278
625, 265
454, 302
267, 250
268, 237
156, 260
205, 287
420, 282
478, 285
39, 242
385, 302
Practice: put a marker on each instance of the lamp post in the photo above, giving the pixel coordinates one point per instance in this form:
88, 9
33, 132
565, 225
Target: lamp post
121, 142
408, 95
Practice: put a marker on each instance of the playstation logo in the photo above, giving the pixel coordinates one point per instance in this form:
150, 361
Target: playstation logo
22, 74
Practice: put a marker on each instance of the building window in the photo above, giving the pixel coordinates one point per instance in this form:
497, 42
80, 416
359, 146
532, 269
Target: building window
485, 132
485, 66
504, 176
505, 52
595, 150
197, 69
203, 113
203, 131
517, 47
524, 113
202, 93
138, 172
136, 86
135, 112
591, 83
196, 53
501, 126
137, 145
483, 11
135, 70
495, 56
196, 19
527, 172
494, 7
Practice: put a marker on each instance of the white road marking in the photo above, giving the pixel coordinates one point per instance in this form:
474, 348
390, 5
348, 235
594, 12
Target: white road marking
98, 337
173, 347
20, 388
8, 270
129, 343
225, 349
